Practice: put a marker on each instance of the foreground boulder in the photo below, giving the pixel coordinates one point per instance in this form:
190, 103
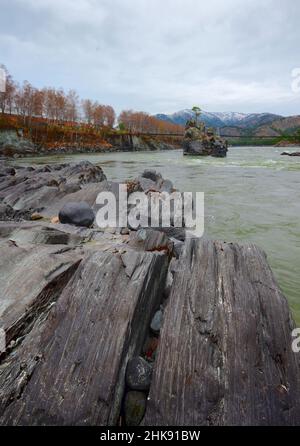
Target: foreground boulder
70, 367
31, 277
78, 214
225, 355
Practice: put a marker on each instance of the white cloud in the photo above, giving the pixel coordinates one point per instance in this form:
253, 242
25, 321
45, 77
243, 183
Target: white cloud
158, 56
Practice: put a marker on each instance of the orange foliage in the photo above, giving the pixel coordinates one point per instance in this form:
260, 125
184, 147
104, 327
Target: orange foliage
141, 122
51, 117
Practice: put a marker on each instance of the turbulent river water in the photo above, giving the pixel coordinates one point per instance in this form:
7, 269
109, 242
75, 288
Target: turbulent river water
252, 195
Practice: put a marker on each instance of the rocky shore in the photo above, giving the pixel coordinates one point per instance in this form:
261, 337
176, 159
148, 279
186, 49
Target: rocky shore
198, 141
285, 143
15, 145
128, 327
291, 153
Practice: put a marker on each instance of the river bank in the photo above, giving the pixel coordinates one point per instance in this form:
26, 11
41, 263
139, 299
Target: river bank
252, 195
14, 144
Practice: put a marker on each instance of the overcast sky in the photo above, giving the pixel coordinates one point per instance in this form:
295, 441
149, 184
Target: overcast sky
158, 55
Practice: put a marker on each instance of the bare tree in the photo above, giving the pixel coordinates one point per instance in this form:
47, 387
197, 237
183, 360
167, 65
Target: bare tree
88, 110
7, 96
72, 112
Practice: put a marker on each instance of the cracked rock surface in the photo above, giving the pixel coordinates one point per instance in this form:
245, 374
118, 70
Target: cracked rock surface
225, 355
78, 304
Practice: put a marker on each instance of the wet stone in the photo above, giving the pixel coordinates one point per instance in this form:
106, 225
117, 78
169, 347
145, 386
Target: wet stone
138, 374
77, 213
134, 407
157, 322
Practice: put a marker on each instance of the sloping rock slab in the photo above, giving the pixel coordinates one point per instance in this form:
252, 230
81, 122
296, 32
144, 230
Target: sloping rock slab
30, 279
37, 188
70, 368
44, 232
225, 354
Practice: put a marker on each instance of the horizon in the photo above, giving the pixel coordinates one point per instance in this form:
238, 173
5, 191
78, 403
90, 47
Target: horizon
65, 89
185, 109
226, 111
157, 57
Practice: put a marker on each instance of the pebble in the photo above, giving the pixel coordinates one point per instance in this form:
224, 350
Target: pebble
156, 322
134, 407
36, 216
138, 374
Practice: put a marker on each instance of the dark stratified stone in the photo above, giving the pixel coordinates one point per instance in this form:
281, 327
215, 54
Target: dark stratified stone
78, 214
101, 315
150, 180
225, 355
152, 175
291, 154
198, 141
134, 408
46, 189
138, 374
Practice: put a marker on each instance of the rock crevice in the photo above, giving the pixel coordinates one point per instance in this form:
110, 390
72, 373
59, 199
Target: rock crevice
127, 327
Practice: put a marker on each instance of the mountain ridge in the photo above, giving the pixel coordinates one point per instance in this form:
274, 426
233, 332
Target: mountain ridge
222, 119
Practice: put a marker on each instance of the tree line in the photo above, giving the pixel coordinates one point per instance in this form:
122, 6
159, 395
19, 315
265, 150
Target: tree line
57, 106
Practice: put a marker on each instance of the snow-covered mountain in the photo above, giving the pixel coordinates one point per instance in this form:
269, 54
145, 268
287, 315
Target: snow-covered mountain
222, 119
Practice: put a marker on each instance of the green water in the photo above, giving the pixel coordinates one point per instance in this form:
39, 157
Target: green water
252, 195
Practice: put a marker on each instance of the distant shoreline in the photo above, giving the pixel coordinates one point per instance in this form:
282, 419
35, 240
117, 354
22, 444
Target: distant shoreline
105, 150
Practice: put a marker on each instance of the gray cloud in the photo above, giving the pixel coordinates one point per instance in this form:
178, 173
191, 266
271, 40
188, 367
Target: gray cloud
158, 56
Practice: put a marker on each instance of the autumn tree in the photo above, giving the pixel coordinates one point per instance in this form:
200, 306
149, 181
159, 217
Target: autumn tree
125, 119
49, 103
7, 96
71, 110
98, 115
24, 100
134, 121
38, 103
110, 116
59, 107
143, 122
88, 110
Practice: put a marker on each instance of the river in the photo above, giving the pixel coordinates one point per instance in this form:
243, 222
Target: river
252, 195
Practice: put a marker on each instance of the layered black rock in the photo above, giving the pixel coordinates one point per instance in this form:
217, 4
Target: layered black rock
291, 153
70, 368
24, 190
225, 355
80, 305
198, 141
